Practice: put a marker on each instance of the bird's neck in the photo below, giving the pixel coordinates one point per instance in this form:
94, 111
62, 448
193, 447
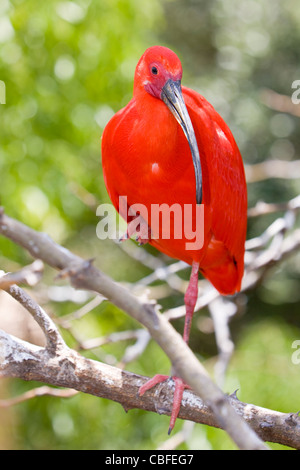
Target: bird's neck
157, 123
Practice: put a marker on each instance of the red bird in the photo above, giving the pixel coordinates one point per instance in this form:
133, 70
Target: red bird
170, 147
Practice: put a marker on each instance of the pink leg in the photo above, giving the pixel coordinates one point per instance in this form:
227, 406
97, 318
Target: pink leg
190, 300
180, 386
157, 379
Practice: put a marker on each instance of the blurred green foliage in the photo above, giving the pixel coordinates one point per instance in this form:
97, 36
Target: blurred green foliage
68, 66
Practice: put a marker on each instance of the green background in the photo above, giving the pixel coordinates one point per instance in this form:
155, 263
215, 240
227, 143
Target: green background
68, 67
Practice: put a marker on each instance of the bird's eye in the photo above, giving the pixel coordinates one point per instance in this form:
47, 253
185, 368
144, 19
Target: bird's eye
154, 70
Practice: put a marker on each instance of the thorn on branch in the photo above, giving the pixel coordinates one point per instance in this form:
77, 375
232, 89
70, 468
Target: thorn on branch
293, 419
77, 273
234, 395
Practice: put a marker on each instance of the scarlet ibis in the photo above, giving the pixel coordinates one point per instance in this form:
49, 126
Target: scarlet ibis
170, 146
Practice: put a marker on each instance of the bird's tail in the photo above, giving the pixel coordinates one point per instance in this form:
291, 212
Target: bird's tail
224, 278
222, 269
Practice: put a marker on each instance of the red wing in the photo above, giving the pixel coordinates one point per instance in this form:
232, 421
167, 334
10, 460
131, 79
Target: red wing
223, 176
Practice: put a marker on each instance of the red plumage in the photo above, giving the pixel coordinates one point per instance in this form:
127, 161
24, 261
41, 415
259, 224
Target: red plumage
146, 157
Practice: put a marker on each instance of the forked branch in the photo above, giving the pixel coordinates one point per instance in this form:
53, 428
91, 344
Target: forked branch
56, 364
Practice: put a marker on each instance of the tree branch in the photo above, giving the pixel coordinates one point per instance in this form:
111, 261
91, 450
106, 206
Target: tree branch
29, 275
38, 392
272, 169
69, 369
83, 274
279, 102
53, 338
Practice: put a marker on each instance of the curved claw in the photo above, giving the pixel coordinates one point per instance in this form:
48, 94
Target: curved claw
180, 386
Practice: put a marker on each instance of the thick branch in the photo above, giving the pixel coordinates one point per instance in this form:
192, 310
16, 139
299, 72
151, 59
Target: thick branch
263, 208
69, 369
84, 275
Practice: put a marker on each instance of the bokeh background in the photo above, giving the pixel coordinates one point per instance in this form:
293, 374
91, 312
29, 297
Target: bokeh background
68, 67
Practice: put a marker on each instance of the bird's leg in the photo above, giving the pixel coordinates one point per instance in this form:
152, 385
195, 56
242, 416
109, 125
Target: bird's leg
139, 226
180, 386
190, 300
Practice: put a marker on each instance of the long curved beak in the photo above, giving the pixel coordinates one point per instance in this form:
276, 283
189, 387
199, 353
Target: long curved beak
172, 96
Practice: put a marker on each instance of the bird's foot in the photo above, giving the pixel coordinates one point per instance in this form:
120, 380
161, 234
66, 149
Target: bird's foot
139, 227
180, 386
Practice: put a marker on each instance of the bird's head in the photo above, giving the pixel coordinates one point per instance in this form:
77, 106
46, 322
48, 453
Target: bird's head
159, 74
156, 66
